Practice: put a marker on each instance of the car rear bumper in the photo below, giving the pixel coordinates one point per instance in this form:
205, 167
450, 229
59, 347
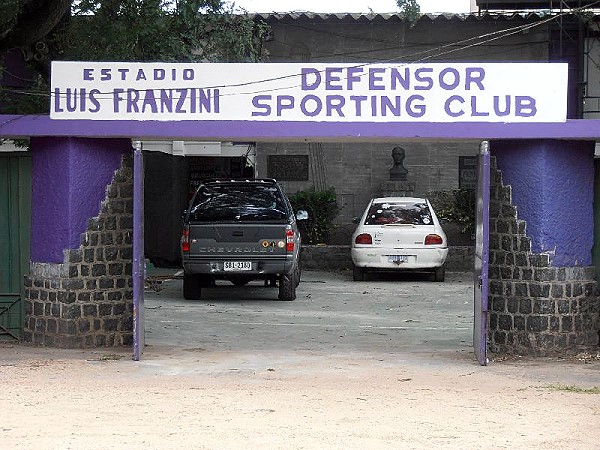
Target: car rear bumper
378, 258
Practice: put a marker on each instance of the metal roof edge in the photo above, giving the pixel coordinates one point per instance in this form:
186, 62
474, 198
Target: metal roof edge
500, 15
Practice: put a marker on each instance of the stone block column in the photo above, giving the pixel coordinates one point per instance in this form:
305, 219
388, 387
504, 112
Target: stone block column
543, 293
79, 290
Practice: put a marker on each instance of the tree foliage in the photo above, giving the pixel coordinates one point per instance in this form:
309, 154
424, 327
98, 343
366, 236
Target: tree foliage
124, 30
322, 209
25, 23
9, 11
145, 30
410, 9
456, 206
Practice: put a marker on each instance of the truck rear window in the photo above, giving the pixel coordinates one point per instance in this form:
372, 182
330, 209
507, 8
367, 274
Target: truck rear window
239, 203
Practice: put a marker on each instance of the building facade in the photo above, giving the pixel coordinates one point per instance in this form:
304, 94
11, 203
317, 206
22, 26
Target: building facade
544, 301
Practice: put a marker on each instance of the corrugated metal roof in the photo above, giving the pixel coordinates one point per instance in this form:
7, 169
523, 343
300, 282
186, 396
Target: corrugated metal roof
330, 17
325, 16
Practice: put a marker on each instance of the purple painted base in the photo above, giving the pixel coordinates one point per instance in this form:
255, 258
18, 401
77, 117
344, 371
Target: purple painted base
553, 189
69, 179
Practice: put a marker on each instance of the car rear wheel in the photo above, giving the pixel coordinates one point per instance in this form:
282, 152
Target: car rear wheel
439, 274
358, 273
191, 286
287, 288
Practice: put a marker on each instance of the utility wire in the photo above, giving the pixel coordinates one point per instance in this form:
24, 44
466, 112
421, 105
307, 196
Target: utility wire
422, 56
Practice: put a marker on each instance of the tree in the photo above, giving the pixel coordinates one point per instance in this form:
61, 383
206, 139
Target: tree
410, 9
120, 30
164, 30
25, 22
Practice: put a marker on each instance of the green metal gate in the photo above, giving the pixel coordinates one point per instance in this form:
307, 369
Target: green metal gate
15, 226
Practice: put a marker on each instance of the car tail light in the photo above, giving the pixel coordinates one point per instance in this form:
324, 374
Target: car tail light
433, 239
364, 238
289, 240
185, 240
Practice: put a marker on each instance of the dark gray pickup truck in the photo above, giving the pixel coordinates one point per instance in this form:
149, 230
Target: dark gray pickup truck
240, 230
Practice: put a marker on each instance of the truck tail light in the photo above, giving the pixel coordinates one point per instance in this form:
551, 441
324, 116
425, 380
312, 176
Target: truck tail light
289, 240
364, 238
433, 239
185, 240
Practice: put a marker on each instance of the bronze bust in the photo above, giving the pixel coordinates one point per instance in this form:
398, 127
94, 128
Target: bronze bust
398, 172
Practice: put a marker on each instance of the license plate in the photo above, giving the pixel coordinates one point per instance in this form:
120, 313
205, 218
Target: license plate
398, 258
237, 265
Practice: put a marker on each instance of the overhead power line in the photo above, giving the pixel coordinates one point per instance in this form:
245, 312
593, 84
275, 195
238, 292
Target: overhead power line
416, 57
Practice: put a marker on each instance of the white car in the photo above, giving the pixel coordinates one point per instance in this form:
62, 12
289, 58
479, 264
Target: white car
399, 233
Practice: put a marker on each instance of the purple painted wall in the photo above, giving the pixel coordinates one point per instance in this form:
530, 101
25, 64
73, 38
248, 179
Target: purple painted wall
69, 179
553, 190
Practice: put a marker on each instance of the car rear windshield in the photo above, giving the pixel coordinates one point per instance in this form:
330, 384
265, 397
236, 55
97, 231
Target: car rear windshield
414, 213
239, 203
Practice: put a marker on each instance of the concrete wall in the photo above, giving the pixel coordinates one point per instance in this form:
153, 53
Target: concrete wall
357, 171
298, 37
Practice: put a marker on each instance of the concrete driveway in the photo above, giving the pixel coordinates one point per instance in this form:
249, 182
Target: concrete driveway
332, 314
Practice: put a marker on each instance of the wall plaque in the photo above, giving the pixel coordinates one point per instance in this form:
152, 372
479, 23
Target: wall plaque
288, 167
467, 172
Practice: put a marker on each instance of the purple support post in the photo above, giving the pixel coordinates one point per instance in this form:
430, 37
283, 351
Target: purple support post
139, 266
482, 252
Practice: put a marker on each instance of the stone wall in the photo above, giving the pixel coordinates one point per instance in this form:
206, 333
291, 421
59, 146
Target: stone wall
87, 301
535, 308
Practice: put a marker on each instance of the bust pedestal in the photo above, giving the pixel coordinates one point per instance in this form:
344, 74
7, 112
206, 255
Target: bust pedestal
397, 189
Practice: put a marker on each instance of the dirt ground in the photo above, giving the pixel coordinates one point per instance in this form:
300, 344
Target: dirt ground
213, 395
60, 399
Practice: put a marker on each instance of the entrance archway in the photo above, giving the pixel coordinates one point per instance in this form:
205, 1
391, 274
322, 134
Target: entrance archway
543, 322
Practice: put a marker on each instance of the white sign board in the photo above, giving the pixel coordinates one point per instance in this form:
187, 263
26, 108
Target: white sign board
310, 92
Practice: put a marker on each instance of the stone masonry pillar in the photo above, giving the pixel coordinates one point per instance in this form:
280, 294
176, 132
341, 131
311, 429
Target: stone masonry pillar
543, 292
79, 290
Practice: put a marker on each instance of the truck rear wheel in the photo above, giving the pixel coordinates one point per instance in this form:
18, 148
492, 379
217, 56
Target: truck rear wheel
191, 286
287, 288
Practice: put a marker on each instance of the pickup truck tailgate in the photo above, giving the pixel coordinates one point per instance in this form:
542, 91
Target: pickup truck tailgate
237, 241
